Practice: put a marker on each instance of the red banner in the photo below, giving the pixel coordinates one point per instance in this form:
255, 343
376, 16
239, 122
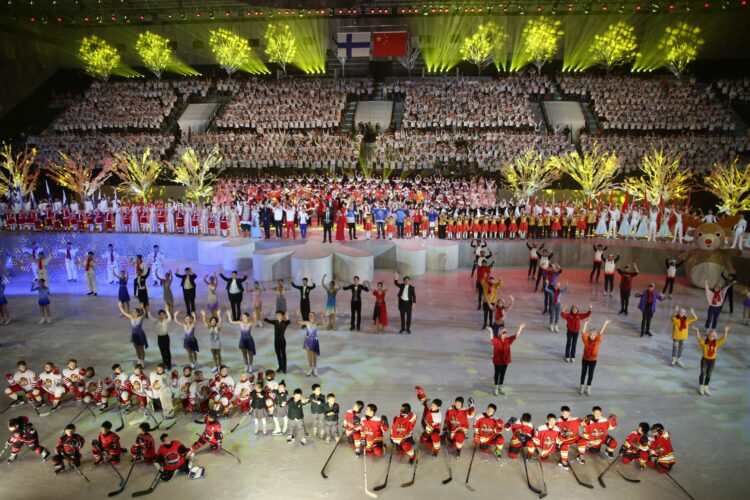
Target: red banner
389, 43
625, 203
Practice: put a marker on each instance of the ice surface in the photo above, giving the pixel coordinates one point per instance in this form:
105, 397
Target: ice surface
447, 354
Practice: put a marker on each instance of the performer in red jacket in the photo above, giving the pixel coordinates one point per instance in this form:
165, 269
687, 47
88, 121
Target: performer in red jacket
457, 423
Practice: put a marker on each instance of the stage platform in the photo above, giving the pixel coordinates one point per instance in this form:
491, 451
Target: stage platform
273, 259
565, 114
197, 117
375, 112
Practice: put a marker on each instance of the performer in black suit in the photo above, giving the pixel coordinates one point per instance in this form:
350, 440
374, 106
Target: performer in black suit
407, 299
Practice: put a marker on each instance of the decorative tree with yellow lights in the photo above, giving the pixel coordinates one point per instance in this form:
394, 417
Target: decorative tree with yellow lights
484, 46
99, 58
680, 45
617, 46
196, 174
137, 174
594, 171
16, 172
540, 38
230, 49
663, 179
731, 184
527, 174
281, 45
155, 52
79, 176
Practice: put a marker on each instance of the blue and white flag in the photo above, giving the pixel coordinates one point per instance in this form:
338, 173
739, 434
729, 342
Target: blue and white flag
355, 44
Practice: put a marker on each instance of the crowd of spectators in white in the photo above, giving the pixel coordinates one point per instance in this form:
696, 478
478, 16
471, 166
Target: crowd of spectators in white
698, 151
285, 149
119, 106
300, 103
737, 89
632, 103
447, 121
488, 103
488, 150
98, 146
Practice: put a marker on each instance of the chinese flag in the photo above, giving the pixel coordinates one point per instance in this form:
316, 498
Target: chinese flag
389, 44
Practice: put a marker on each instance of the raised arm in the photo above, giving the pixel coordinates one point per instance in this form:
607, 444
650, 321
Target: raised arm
177, 319
489, 330
203, 318
221, 275
604, 327
692, 311
520, 329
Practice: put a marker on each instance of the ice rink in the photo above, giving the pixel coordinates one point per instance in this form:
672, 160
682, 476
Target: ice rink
447, 354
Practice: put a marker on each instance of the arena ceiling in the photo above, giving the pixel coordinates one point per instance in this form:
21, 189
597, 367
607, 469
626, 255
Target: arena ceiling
164, 11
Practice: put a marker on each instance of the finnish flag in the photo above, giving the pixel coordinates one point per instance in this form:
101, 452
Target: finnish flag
353, 44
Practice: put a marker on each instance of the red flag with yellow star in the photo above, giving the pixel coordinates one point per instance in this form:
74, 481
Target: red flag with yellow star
389, 43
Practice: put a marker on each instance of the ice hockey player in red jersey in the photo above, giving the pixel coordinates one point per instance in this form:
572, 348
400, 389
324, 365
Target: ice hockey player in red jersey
635, 446
353, 426
522, 437
107, 447
23, 385
546, 437
144, 447
373, 429
173, 456
402, 432
432, 421
595, 432
488, 432
457, 423
68, 447
570, 428
211, 434
660, 450
22, 432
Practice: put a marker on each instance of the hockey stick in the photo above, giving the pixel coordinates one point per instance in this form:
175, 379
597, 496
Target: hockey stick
247, 413
626, 478
468, 474
541, 472
575, 475
323, 470
122, 484
5, 448
122, 419
108, 456
387, 472
174, 422
77, 415
528, 482
231, 455
414, 473
88, 407
150, 414
150, 488
364, 461
448, 458
680, 486
601, 481
75, 468
7, 408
